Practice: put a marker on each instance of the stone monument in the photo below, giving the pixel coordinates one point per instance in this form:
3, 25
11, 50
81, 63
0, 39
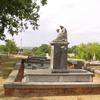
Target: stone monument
50, 76
59, 48
57, 68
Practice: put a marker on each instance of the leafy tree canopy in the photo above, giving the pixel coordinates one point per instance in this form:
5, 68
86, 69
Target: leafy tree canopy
16, 15
2, 49
42, 50
10, 46
86, 51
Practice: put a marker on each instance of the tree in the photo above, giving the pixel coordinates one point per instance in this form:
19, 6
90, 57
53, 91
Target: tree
42, 50
86, 51
10, 46
16, 15
2, 49
27, 51
71, 49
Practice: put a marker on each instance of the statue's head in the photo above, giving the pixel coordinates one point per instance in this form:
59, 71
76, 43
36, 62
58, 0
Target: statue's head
61, 26
57, 30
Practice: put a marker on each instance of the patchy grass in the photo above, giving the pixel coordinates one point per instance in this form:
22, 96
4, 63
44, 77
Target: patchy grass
6, 66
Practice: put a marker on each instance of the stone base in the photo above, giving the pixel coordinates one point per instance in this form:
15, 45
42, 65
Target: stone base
16, 87
56, 76
55, 89
69, 71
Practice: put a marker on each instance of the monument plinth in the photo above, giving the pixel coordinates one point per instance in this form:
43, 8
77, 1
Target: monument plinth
59, 47
59, 56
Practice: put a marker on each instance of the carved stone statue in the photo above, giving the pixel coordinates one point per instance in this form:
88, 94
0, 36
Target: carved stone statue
59, 50
62, 36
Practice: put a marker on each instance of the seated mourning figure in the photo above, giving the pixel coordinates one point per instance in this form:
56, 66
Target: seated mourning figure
62, 36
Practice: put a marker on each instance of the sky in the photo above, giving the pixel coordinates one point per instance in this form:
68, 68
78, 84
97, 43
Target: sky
81, 18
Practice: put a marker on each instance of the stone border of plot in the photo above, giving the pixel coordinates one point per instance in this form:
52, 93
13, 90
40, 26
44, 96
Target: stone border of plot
48, 89
97, 72
14, 86
14, 74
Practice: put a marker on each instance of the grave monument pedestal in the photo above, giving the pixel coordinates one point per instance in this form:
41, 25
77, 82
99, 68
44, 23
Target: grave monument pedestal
58, 72
59, 55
